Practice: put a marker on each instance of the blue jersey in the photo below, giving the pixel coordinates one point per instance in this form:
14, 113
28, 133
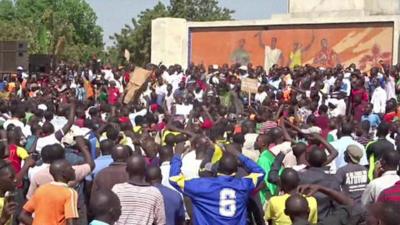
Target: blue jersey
218, 200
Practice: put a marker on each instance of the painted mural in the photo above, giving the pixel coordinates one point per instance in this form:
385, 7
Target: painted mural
319, 45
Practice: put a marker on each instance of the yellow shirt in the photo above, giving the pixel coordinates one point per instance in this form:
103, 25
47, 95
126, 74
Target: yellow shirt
275, 210
295, 58
166, 132
1, 210
218, 152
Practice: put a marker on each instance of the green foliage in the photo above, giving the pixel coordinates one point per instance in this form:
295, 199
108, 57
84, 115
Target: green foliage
137, 38
52, 26
199, 10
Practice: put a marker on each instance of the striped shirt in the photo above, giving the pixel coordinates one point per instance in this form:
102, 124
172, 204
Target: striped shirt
391, 194
141, 205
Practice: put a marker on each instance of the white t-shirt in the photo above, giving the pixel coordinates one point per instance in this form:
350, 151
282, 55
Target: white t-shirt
271, 57
190, 165
49, 140
108, 75
132, 116
378, 100
16, 122
260, 97
161, 90
169, 100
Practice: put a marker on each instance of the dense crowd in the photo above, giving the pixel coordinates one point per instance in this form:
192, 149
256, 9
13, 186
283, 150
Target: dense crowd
313, 146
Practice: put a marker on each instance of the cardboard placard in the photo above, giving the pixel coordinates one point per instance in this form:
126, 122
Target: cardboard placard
137, 78
249, 85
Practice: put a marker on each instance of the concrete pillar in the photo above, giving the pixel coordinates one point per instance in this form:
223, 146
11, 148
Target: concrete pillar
169, 41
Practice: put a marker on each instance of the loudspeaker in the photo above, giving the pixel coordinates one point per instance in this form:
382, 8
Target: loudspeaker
39, 63
12, 55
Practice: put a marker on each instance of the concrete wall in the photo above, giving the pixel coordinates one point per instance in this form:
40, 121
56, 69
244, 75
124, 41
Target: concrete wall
169, 41
317, 8
170, 36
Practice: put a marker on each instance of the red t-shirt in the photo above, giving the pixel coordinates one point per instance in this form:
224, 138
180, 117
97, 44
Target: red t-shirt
113, 95
388, 117
17, 154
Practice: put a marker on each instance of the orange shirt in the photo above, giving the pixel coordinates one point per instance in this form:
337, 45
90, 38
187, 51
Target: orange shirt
52, 204
88, 88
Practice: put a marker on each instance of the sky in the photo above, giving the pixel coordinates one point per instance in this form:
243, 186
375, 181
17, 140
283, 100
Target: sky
114, 14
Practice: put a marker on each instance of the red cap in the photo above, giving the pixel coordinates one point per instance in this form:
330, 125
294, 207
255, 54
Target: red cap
153, 107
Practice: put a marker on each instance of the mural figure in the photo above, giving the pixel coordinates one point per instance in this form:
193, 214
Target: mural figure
241, 55
326, 57
296, 55
371, 60
273, 55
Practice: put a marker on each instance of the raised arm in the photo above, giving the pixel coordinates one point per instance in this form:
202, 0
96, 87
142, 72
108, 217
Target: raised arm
310, 44
176, 178
339, 197
273, 176
260, 39
331, 150
256, 172
71, 118
83, 148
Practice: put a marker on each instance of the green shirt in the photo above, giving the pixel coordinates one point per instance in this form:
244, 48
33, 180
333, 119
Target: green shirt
103, 96
265, 162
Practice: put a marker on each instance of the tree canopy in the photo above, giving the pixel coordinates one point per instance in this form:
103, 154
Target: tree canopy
52, 27
137, 37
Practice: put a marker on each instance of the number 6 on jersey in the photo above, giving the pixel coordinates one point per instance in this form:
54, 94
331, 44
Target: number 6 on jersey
227, 202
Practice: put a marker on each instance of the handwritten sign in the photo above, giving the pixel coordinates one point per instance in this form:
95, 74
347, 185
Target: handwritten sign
249, 85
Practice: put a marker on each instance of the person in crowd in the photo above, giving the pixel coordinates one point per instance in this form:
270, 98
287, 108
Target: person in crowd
343, 142
173, 202
226, 194
55, 202
132, 193
316, 174
105, 207
114, 173
386, 173
353, 177
104, 160
43, 176
377, 148
296, 207
8, 205
369, 115
275, 211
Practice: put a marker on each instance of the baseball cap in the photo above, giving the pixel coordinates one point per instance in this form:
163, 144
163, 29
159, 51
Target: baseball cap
355, 153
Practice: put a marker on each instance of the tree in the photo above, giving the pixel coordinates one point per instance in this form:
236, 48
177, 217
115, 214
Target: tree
137, 38
51, 26
199, 10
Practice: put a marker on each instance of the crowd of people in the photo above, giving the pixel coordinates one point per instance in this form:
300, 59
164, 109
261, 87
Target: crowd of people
312, 146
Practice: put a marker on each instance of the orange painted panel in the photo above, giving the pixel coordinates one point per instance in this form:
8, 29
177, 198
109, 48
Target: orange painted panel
320, 45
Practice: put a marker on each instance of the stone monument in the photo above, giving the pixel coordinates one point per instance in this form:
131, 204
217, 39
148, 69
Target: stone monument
172, 37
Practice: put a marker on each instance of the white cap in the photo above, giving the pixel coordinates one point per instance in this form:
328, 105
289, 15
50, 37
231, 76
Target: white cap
215, 66
20, 68
243, 68
42, 107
